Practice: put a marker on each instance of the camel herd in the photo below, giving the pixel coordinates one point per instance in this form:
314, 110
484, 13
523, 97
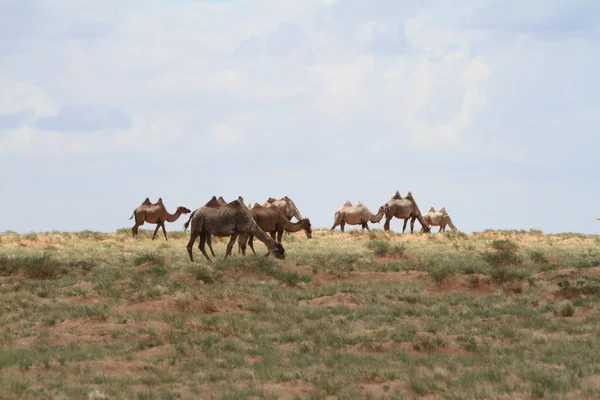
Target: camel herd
268, 221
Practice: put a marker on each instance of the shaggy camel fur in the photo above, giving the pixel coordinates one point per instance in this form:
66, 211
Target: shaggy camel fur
213, 203
356, 215
155, 214
439, 218
286, 205
233, 220
272, 221
403, 208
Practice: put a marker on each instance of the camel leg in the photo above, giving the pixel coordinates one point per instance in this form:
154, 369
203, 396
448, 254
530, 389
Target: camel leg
251, 243
202, 246
272, 235
365, 226
279, 235
441, 229
404, 226
230, 244
156, 230
162, 224
242, 240
334, 226
412, 224
209, 242
342, 224
386, 225
190, 244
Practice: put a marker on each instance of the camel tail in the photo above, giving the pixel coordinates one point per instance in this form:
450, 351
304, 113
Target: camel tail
451, 225
186, 224
132, 215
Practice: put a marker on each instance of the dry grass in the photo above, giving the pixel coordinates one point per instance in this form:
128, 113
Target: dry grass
494, 314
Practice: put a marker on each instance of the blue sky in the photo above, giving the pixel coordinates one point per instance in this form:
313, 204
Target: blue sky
489, 108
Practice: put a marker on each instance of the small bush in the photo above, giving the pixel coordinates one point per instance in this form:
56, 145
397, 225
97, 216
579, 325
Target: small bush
91, 235
538, 257
505, 245
150, 257
505, 275
439, 274
42, 267
382, 248
8, 265
564, 309
202, 274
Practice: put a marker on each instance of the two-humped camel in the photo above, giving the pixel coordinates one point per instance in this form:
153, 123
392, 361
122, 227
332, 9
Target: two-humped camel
233, 220
286, 205
403, 208
272, 221
356, 215
212, 203
439, 218
155, 214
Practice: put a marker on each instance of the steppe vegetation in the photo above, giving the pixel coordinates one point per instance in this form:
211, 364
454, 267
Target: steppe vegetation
495, 314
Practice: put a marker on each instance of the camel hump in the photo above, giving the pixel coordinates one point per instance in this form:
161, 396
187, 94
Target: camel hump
397, 196
256, 205
347, 203
235, 204
431, 209
213, 202
443, 210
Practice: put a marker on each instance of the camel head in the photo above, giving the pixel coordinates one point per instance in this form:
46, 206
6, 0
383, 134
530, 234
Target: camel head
307, 227
183, 210
277, 250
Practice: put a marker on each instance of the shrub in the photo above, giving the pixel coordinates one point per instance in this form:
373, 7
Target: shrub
564, 309
41, 267
150, 257
382, 248
505, 245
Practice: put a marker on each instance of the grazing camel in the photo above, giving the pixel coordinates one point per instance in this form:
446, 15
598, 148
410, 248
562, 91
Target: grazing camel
403, 208
233, 220
356, 215
286, 205
155, 214
439, 218
272, 221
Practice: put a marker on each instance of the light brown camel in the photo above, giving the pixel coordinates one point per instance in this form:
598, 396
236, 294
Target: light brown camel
439, 218
286, 205
356, 215
272, 221
155, 214
233, 220
403, 208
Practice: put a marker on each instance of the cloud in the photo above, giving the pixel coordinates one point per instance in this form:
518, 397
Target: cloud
16, 120
320, 100
85, 118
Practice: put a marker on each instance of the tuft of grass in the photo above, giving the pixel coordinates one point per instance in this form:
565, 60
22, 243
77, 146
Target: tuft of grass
564, 309
382, 248
41, 267
151, 257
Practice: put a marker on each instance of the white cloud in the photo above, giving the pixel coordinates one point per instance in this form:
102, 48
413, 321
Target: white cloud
319, 91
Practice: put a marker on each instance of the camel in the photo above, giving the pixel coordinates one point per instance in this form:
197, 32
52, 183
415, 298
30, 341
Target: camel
439, 218
155, 214
272, 221
286, 205
233, 220
403, 208
356, 215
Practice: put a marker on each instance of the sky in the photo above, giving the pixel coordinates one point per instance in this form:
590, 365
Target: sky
489, 108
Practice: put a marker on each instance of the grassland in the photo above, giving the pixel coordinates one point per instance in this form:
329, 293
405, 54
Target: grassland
496, 314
